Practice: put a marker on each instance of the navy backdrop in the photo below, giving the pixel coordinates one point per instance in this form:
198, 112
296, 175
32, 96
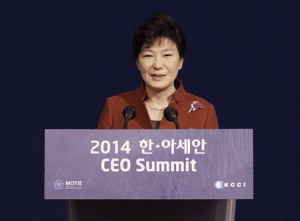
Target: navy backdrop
61, 60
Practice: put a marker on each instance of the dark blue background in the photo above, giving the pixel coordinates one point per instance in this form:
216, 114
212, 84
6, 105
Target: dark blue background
61, 60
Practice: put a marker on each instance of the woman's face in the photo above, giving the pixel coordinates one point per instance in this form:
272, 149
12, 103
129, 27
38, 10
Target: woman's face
159, 64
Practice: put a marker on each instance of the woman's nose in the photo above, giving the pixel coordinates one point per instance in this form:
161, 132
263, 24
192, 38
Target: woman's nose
157, 63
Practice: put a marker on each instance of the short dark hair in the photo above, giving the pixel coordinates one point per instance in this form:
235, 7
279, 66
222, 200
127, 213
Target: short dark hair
158, 26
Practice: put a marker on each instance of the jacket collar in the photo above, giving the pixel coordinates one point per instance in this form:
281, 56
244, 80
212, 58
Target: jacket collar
179, 93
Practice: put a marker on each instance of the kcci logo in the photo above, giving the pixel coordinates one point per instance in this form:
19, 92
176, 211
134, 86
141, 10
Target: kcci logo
221, 184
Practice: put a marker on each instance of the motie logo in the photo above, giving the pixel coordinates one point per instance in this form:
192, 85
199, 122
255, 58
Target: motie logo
58, 184
219, 184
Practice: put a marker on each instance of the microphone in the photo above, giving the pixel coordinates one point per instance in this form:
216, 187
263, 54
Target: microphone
129, 113
171, 114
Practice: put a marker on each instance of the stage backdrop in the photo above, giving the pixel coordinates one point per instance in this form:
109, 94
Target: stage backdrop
60, 60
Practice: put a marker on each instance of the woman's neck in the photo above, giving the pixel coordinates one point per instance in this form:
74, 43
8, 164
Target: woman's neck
160, 99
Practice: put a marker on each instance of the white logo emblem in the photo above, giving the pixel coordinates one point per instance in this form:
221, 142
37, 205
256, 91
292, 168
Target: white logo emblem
58, 184
218, 184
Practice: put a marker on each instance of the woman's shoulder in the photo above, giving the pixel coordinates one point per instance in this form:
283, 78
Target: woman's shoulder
127, 97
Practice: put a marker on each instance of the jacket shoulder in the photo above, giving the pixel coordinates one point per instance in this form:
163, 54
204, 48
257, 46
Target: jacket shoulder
126, 97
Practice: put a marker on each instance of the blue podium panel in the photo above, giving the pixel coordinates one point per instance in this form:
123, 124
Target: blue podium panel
149, 164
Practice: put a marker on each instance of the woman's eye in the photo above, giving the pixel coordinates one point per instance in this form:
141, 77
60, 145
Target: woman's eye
147, 55
168, 55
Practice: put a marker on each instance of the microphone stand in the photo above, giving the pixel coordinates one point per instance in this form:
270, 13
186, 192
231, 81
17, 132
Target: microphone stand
126, 122
171, 114
129, 113
176, 123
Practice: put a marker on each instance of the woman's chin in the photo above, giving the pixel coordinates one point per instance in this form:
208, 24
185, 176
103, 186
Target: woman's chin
159, 86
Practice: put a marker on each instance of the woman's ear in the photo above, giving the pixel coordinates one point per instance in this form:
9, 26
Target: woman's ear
137, 64
180, 64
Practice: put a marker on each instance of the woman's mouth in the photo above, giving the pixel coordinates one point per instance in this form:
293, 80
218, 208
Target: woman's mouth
157, 77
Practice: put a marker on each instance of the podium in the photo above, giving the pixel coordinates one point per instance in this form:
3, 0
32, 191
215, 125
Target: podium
149, 174
219, 210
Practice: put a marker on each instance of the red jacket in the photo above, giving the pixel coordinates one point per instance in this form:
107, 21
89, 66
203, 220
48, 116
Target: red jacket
112, 114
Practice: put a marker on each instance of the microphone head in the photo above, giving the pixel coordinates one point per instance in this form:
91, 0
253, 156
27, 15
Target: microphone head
129, 112
170, 113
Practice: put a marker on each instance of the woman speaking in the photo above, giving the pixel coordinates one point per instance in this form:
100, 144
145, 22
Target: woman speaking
159, 48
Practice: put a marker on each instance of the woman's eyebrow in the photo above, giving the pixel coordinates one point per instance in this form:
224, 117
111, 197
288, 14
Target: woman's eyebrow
167, 49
